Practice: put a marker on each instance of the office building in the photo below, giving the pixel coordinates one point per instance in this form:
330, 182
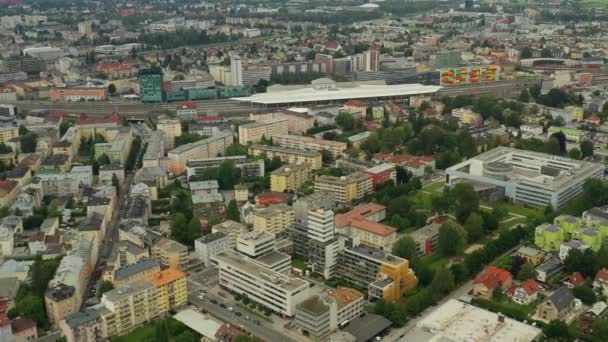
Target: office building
273, 219
206, 148
151, 85
208, 246
289, 177
255, 243
250, 168
385, 275
322, 245
336, 148
275, 291
170, 254
172, 128
531, 178
289, 155
345, 188
231, 229
268, 129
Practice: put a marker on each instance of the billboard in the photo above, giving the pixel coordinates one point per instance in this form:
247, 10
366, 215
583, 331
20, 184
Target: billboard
468, 75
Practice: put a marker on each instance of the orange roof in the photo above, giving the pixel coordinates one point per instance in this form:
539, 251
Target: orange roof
345, 296
185, 105
602, 275
85, 120
165, 277
361, 212
575, 278
492, 277
372, 227
355, 103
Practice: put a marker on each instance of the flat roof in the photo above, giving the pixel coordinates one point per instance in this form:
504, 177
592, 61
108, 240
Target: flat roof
287, 150
336, 94
202, 324
459, 321
366, 327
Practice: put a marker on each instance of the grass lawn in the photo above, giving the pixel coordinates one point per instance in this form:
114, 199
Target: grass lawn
436, 261
517, 209
512, 223
433, 187
299, 263
144, 333
423, 200
503, 262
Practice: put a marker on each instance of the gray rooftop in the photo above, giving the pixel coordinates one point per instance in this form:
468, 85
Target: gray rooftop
211, 237
562, 298
366, 327
82, 317
132, 269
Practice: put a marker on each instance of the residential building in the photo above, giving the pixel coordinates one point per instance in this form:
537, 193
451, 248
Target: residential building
186, 110
231, 229
567, 246
524, 293
277, 292
133, 272
426, 238
467, 116
549, 269
208, 246
385, 275
241, 193
381, 174
576, 113
170, 254
89, 128
336, 148
289, 177
83, 174
345, 188
529, 254
255, 131
172, 128
489, 280
322, 247
527, 177
289, 155
8, 133
60, 302
118, 146
303, 204
274, 219
206, 148
171, 288
250, 168
83, 326
600, 282
24, 329
108, 171
531, 129
556, 306
572, 134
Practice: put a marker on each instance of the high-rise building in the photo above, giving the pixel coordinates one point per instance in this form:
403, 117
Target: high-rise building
236, 71
151, 85
323, 246
172, 128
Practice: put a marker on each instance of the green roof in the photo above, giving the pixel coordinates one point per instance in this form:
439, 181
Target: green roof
566, 130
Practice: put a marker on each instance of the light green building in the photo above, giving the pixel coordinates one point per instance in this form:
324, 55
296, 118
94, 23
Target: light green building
548, 237
568, 224
591, 237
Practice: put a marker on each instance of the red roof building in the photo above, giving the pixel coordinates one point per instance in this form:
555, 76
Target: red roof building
268, 198
115, 118
524, 293
486, 282
600, 283
185, 105
594, 119
573, 280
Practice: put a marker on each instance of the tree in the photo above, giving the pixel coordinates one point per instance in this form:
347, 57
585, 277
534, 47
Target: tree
104, 159
64, 126
524, 96
527, 271
236, 150
116, 183
28, 142
526, 52
442, 284
105, 287
452, 239
585, 294
552, 146
186, 336
31, 306
440, 204
586, 147
474, 227
161, 331
326, 156
581, 261
405, 248
575, 153
600, 328
233, 213
465, 200
345, 121
558, 330
601, 258
228, 174
112, 89
535, 91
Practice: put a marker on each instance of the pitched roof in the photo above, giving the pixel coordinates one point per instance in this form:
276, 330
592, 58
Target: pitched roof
530, 286
492, 277
602, 275
362, 211
562, 298
22, 324
575, 279
165, 276
85, 120
372, 227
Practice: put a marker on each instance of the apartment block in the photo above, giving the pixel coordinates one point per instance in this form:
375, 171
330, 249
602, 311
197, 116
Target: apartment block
345, 188
289, 177
297, 122
118, 146
78, 94
170, 254
231, 229
467, 116
172, 128
206, 148
336, 148
277, 292
132, 272
171, 288
7, 133
385, 275
289, 155
250, 168
253, 132
273, 219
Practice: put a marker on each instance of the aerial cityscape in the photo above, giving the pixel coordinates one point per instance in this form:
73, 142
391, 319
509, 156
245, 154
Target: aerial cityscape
303, 170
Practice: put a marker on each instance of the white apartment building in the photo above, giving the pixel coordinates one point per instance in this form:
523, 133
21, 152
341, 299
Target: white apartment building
255, 243
207, 148
276, 291
253, 132
210, 245
336, 148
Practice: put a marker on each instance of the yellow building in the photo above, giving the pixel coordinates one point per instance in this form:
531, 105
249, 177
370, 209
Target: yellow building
7, 133
91, 127
289, 177
253, 132
576, 112
289, 155
467, 116
172, 288
170, 254
274, 219
345, 188
172, 128
402, 276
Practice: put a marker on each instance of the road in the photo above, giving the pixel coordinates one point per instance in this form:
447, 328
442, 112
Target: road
264, 330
